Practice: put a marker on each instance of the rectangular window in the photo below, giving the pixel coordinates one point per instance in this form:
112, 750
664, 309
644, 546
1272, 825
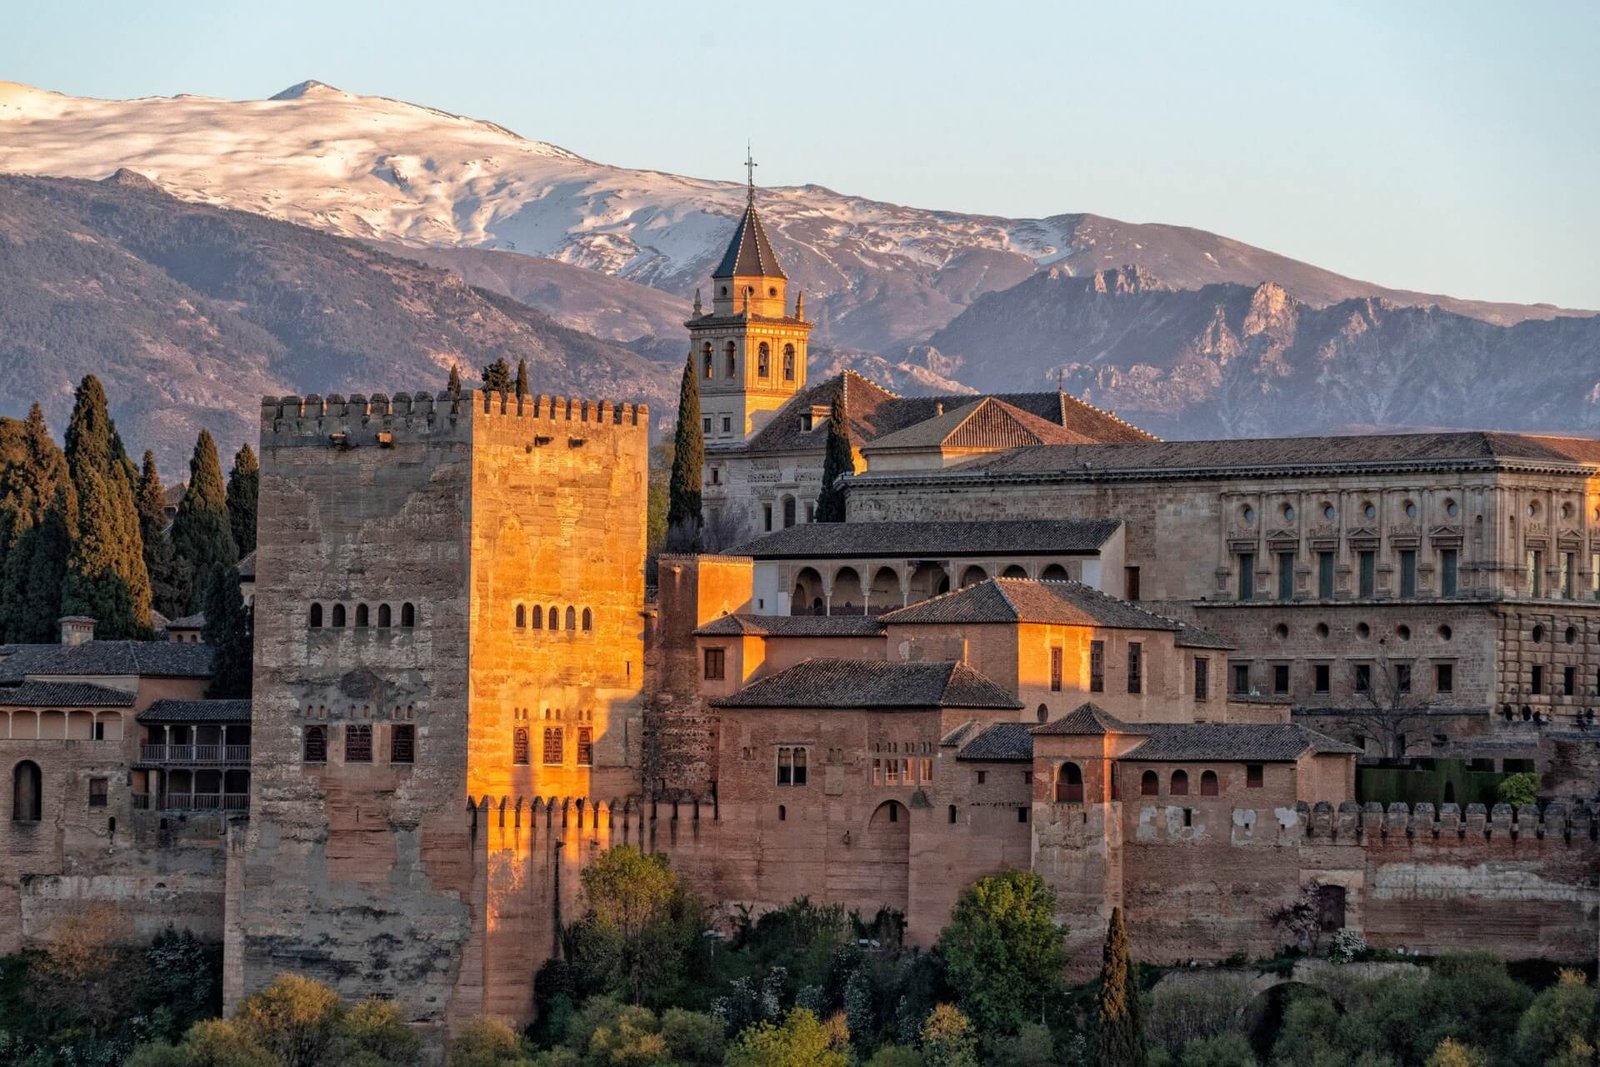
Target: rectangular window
1408, 572
358, 743
1449, 565
1055, 670
983, 776
1322, 677
1594, 575
1569, 575
925, 772
727, 424
99, 731
1202, 679
1537, 682
715, 664
792, 765
1363, 677
1254, 775
1368, 561
1022, 814
519, 746
1241, 679
766, 517
1535, 573
555, 743
1569, 680
97, 792
891, 772
585, 746
1402, 677
1130, 583
402, 743
1285, 575
316, 744
1247, 575
1280, 678
707, 422
1325, 575
1444, 678
1097, 666
1135, 667
877, 772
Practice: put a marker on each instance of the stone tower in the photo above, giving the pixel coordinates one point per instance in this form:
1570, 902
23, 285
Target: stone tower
750, 351
448, 608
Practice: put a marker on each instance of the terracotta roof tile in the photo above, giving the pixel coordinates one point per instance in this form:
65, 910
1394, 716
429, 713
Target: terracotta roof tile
1235, 742
999, 741
197, 711
64, 695
1011, 600
1008, 537
855, 683
152, 659
745, 625
1088, 719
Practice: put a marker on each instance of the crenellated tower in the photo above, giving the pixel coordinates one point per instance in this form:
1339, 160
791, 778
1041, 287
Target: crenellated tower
749, 351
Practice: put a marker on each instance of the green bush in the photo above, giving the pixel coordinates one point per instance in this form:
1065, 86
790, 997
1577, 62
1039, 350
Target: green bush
1518, 789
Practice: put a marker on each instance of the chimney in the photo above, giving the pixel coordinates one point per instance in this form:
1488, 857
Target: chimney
76, 630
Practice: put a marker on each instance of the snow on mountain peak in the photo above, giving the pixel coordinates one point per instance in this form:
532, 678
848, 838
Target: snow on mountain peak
309, 87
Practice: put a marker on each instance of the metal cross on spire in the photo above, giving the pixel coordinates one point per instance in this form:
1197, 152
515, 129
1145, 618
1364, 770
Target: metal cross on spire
750, 166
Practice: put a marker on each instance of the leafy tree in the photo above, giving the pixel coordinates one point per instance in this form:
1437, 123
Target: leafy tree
684, 518
1518, 789
643, 922
295, 1019
1002, 949
486, 1042
228, 631
522, 377
160, 561
38, 512
210, 1043
373, 1033
106, 577
244, 484
202, 533
948, 1039
802, 1041
497, 377
1452, 1053
1559, 1016
453, 387
837, 461
1119, 1031
180, 977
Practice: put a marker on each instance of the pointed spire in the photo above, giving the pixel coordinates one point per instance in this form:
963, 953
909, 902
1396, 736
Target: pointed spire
800, 305
750, 176
697, 311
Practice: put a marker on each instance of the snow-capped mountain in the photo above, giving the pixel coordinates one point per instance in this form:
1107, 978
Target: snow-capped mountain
878, 276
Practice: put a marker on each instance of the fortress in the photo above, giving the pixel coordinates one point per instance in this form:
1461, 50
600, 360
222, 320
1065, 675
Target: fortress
1043, 639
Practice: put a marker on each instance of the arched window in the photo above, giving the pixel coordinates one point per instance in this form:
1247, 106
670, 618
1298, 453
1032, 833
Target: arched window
710, 370
572, 617
408, 615
588, 620
1149, 784
1208, 783
383, 616
783, 813
522, 617
732, 362
316, 745
538, 617
764, 361
1069, 784
1180, 784
27, 793
519, 745
555, 618
316, 616
338, 616
951, 815
788, 363
361, 615
552, 745
1044, 713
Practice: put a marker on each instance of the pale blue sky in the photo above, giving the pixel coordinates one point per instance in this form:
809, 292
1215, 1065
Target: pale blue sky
1450, 147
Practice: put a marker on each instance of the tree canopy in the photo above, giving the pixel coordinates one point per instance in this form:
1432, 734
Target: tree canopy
1002, 949
837, 461
244, 484
202, 533
684, 518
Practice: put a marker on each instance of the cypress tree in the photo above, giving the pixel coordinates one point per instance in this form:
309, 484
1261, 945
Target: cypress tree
688, 454
522, 377
497, 377
227, 630
836, 461
1121, 1030
201, 534
106, 577
166, 582
244, 483
38, 511
454, 385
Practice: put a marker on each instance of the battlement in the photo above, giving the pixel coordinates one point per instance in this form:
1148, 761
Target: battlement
582, 811
335, 417
1350, 821
563, 409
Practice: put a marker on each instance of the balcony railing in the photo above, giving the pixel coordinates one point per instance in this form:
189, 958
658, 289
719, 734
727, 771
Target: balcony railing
194, 753
192, 802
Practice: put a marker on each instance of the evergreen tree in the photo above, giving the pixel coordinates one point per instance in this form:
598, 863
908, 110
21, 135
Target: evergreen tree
106, 577
202, 536
227, 630
454, 386
837, 461
1121, 1030
244, 482
497, 377
166, 582
688, 454
522, 377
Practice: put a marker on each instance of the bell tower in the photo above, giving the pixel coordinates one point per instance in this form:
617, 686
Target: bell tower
749, 351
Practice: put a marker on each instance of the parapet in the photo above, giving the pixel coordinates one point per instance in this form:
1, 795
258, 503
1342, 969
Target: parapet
562, 408
1373, 822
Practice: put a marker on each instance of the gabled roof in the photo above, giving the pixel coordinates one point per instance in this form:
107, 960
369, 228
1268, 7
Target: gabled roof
197, 621
1013, 600
987, 422
999, 741
872, 540
1233, 742
197, 711
745, 625
856, 683
749, 252
1087, 720
149, 659
63, 695
247, 566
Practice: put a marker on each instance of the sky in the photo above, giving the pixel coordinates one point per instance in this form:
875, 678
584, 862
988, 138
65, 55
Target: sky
1443, 147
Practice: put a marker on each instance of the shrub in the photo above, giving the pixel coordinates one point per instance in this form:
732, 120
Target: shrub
1187, 1008
1518, 789
487, 1042
948, 1039
802, 1041
1452, 1053
294, 1018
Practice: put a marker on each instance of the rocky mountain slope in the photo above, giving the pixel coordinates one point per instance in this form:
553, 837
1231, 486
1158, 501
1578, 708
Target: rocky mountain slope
1237, 360
190, 313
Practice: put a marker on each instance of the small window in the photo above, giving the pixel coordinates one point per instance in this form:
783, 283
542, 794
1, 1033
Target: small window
519, 746
1149, 784
983, 776
97, 792
1569, 681
788, 363
1043, 714
588, 621
1202, 679
1280, 678
1402, 677
554, 744
585, 746
1247, 575
1135, 667
338, 616
952, 815
727, 424
27, 793
361, 616
316, 616
792, 766
783, 813
358, 742
1208, 783
764, 360
706, 422
402, 743
316, 745
1097, 666
572, 619
1130, 583
1363, 677
383, 616
1537, 686
716, 664
522, 617
1254, 775
1022, 814
1188, 817
1180, 784
1368, 566
1241, 679
1322, 676
1055, 671
408, 615
1444, 678
554, 618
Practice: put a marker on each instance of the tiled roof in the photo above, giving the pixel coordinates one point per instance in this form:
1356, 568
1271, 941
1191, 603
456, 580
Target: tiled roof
1231, 742
1198, 637
873, 413
1008, 600
856, 683
743, 625
1007, 537
63, 695
247, 566
960, 734
1087, 720
197, 711
999, 741
987, 422
151, 659
749, 252
188, 622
